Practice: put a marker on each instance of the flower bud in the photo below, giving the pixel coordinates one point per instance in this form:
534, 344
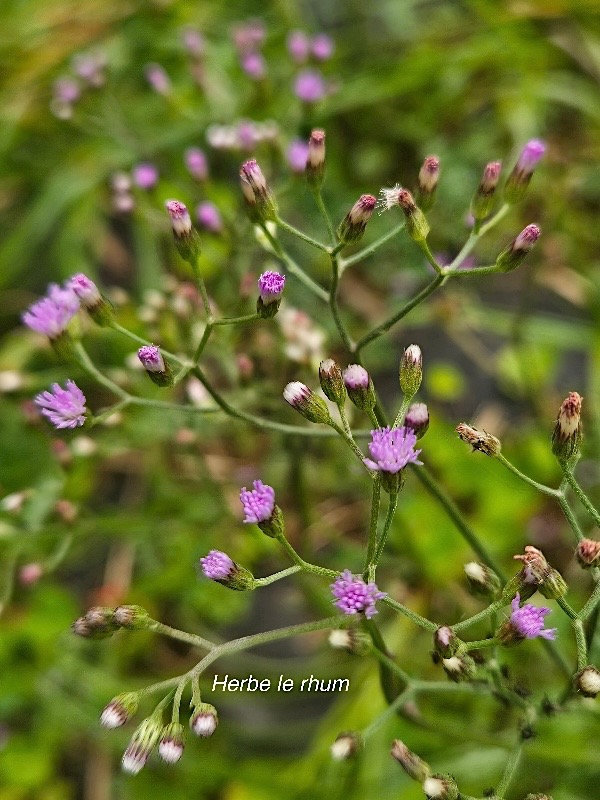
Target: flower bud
142, 743
479, 440
414, 766
260, 203
482, 581
427, 183
483, 199
157, 368
220, 568
119, 710
445, 641
315, 161
270, 287
204, 720
347, 745
459, 668
306, 402
514, 255
519, 178
417, 419
416, 224
351, 229
98, 623
186, 237
538, 572
350, 639
440, 787
360, 387
332, 381
172, 743
411, 370
587, 681
97, 306
567, 435
588, 553
133, 618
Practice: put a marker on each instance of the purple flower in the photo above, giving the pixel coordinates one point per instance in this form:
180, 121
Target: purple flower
309, 86
270, 286
89, 67
151, 358
66, 90
85, 289
528, 621
246, 135
52, 313
392, 450
353, 595
322, 47
209, 217
65, 408
254, 65
258, 503
356, 377
249, 35
298, 46
157, 78
193, 41
195, 161
217, 565
531, 155
296, 154
145, 175
180, 217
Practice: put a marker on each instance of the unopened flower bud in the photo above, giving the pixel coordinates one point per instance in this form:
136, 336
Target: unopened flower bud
133, 618
414, 766
588, 553
172, 743
411, 370
142, 743
98, 623
587, 681
332, 381
270, 287
220, 568
483, 199
416, 224
428, 180
440, 787
97, 306
568, 430
514, 255
351, 229
119, 710
204, 720
519, 178
417, 419
260, 203
479, 440
483, 582
350, 639
157, 367
445, 641
459, 668
306, 402
315, 161
347, 745
359, 385
186, 237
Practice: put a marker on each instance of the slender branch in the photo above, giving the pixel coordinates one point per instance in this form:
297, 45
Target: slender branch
509, 772
412, 615
294, 268
333, 305
367, 251
323, 211
585, 501
277, 576
182, 636
393, 503
372, 537
305, 238
526, 479
475, 237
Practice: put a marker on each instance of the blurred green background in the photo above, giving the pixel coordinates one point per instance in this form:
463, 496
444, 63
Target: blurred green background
471, 81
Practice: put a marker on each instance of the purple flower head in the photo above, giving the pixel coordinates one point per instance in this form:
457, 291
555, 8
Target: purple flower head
145, 175
193, 41
180, 217
322, 47
392, 450
528, 621
352, 595
217, 565
249, 35
530, 156
85, 289
66, 90
309, 86
208, 217
196, 163
246, 135
52, 313
527, 238
65, 408
298, 45
151, 358
254, 65
258, 503
89, 67
296, 155
356, 377
270, 286
157, 78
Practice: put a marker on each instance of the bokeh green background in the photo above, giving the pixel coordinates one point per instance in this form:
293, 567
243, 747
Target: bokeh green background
469, 81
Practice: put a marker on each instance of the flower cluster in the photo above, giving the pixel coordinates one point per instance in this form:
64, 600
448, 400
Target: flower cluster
258, 503
352, 595
392, 449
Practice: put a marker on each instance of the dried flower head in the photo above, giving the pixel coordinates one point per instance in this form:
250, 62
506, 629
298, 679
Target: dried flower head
568, 430
479, 440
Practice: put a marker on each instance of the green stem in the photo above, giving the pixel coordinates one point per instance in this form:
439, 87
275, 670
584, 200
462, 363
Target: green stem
294, 268
9, 570
412, 615
367, 251
394, 681
481, 644
140, 340
302, 564
570, 612
57, 557
487, 612
87, 364
406, 400
305, 238
201, 287
591, 604
372, 537
570, 517
393, 503
582, 656
475, 237
539, 486
469, 273
236, 320
323, 211
277, 576
182, 636
349, 441
585, 501
333, 305
430, 257
509, 772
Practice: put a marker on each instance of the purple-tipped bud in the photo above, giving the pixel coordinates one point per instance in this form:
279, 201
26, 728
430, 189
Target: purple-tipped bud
193, 41
309, 86
353, 596
270, 286
411, 370
567, 435
519, 178
588, 553
322, 47
351, 229
254, 65
145, 175
298, 45
158, 370
524, 623
98, 307
209, 217
296, 155
416, 224
172, 743
157, 78
429, 175
417, 419
187, 240
65, 408
440, 787
445, 641
479, 440
414, 766
142, 743
196, 163
360, 387
483, 199
482, 581
204, 720
97, 623
260, 203
220, 568
332, 381
315, 162
119, 710
306, 402
132, 618
587, 681
514, 255
346, 746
